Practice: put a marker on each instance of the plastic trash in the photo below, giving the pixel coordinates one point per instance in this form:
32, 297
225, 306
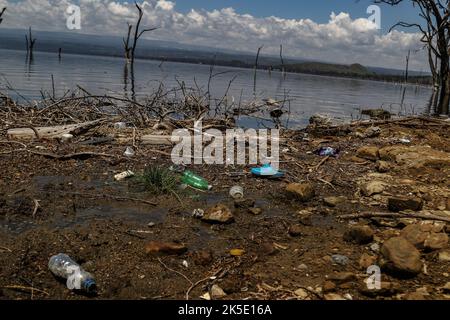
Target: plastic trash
64, 267
267, 171
328, 152
124, 175
237, 192
195, 181
129, 152
198, 213
120, 125
405, 140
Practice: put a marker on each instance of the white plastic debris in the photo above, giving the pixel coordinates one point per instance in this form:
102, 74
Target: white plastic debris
124, 175
185, 264
66, 137
198, 213
120, 125
129, 152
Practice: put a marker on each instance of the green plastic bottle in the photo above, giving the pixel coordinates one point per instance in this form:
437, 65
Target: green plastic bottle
195, 181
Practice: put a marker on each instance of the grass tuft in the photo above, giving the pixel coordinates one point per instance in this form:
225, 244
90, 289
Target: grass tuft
158, 180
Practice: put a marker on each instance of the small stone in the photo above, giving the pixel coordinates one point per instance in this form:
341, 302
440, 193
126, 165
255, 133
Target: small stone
348, 296
368, 153
334, 201
375, 247
359, 235
383, 166
217, 292
301, 293
373, 187
268, 249
169, 248
328, 286
402, 204
416, 234
436, 241
302, 267
340, 259
366, 261
301, 191
401, 257
414, 296
342, 277
244, 203
218, 214
203, 257
444, 256
446, 288
333, 296
255, 211
295, 231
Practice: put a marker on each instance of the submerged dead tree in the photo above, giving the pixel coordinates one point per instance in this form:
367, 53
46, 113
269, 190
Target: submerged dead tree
30, 44
1, 14
436, 38
130, 46
130, 50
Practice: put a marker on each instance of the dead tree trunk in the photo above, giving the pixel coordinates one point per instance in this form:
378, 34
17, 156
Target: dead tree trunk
1, 14
30, 44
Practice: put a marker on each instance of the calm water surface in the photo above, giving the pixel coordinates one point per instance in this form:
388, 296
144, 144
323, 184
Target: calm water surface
309, 94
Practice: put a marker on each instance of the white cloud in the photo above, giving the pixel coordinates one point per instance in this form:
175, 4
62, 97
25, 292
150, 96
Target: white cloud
342, 39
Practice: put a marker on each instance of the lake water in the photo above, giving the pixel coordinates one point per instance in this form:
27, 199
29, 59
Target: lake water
309, 94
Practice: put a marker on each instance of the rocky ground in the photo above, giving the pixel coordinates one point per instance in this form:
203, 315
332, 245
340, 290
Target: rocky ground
385, 201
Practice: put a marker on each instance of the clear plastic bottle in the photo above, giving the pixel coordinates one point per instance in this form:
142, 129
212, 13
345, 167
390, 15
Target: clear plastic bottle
63, 266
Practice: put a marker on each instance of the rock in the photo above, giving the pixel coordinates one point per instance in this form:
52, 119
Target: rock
446, 288
301, 191
295, 230
366, 261
334, 201
401, 204
302, 267
436, 241
216, 292
375, 247
400, 257
444, 256
319, 119
255, 211
415, 156
169, 248
342, 277
268, 249
387, 289
340, 259
377, 114
416, 234
415, 296
244, 203
373, 187
359, 235
328, 286
368, 153
301, 293
218, 214
383, 166
203, 257
333, 296
371, 132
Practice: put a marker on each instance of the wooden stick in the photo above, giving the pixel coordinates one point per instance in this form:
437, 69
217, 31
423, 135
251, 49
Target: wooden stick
30, 289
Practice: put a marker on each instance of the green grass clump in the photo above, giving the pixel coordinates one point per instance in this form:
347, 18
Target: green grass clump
158, 180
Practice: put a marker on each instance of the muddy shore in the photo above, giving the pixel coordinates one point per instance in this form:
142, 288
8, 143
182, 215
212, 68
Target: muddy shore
296, 244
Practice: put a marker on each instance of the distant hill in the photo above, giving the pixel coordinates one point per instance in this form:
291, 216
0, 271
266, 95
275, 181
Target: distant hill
355, 70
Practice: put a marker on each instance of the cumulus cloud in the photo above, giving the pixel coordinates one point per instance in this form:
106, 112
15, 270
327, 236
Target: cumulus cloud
343, 39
